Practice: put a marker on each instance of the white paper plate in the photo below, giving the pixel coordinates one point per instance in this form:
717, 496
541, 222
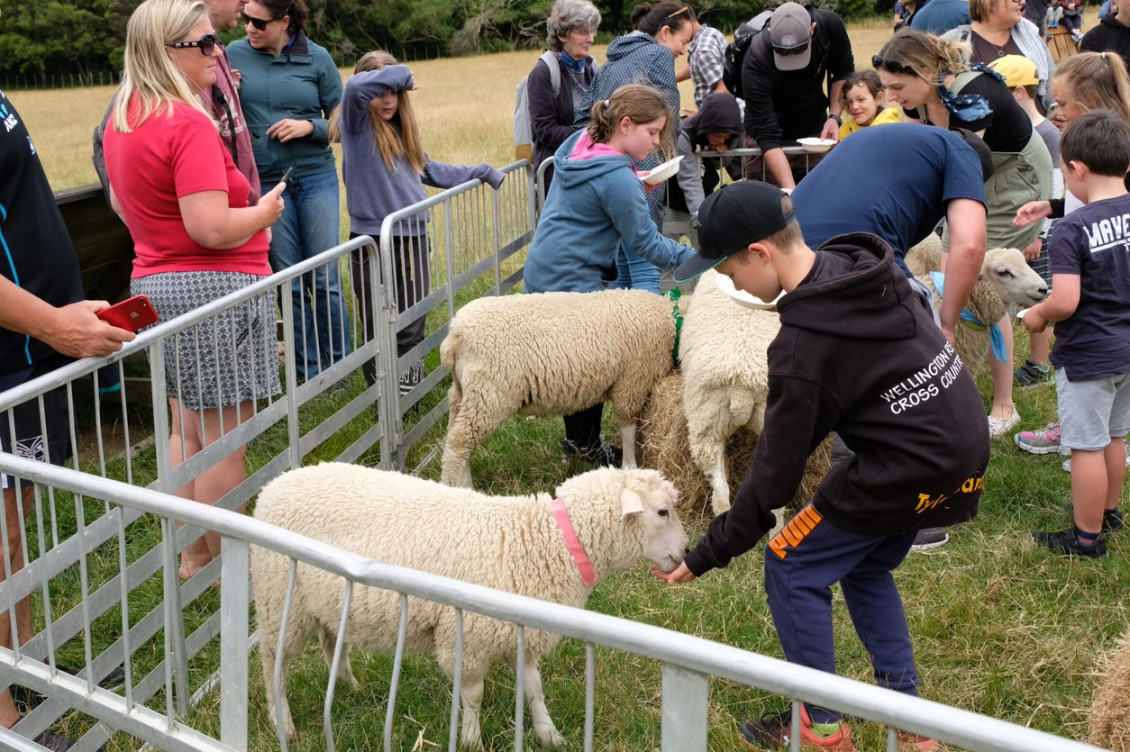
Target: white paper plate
743, 298
663, 172
816, 145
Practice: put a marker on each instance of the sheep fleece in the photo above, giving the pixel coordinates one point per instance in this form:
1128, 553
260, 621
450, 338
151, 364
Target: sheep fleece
508, 543
555, 353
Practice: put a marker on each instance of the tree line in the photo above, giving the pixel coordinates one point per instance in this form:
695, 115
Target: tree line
85, 38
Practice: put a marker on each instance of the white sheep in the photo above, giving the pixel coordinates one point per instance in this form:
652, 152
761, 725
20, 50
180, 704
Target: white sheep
1005, 280
724, 355
551, 354
507, 543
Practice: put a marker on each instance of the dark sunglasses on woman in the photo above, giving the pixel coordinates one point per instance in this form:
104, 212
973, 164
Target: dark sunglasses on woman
260, 24
894, 66
206, 43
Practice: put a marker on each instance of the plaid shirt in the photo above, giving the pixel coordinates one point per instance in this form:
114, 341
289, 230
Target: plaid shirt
707, 56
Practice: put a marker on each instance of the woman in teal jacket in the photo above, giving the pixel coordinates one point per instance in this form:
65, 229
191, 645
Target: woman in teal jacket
289, 88
596, 204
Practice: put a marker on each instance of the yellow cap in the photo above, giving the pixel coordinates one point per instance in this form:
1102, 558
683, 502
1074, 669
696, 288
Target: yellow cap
1017, 71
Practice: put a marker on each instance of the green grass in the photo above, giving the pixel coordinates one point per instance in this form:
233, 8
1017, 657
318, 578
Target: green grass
999, 627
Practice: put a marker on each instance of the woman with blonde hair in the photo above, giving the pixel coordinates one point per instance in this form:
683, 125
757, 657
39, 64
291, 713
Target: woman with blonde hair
596, 205
935, 83
195, 240
385, 169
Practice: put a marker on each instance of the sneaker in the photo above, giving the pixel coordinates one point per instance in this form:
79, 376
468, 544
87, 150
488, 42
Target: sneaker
54, 742
1033, 374
929, 537
1064, 542
411, 377
772, 732
1043, 441
1001, 426
1112, 520
909, 742
602, 454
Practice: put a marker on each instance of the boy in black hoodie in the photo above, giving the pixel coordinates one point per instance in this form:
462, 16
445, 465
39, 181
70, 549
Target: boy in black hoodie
857, 353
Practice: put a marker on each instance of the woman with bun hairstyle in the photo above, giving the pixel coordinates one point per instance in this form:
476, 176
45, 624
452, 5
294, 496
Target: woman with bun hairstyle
646, 55
385, 169
595, 206
934, 82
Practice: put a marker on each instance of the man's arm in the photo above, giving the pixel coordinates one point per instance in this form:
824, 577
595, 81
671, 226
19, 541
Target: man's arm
966, 221
72, 330
777, 163
832, 124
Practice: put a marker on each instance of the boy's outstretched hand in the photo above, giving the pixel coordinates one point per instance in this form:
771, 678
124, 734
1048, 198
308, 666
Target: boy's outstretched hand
681, 574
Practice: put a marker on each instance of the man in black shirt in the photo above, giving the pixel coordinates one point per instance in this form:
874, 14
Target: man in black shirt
783, 77
43, 322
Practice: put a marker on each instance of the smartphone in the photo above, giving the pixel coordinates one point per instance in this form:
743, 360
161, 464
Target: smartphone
134, 313
286, 175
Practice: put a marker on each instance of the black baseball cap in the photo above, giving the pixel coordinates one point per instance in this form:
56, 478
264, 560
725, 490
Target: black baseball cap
730, 219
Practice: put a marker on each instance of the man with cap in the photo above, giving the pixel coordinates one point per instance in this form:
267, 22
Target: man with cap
783, 80
859, 354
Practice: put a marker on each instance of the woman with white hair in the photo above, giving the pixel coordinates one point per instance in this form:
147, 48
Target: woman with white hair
195, 240
571, 27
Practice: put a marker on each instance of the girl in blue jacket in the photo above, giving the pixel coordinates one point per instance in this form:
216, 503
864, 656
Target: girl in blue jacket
385, 169
595, 203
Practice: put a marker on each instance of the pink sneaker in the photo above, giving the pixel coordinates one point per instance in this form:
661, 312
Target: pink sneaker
1043, 441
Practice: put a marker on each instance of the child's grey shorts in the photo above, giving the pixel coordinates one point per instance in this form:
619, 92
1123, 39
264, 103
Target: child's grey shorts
1091, 412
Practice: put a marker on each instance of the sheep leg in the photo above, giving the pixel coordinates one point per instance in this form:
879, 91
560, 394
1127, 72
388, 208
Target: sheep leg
544, 729
328, 640
470, 733
267, 658
628, 438
479, 414
719, 484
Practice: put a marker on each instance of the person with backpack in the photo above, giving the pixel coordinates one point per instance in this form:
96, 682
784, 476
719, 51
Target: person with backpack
782, 80
560, 77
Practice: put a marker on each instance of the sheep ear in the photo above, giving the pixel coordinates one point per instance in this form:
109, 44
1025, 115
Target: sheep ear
630, 502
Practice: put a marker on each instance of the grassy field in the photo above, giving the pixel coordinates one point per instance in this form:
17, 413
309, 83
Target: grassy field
999, 627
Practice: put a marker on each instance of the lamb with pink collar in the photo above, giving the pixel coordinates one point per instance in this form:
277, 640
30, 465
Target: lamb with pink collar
600, 523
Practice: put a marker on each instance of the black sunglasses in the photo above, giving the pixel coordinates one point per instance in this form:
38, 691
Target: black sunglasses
259, 23
796, 49
894, 66
206, 43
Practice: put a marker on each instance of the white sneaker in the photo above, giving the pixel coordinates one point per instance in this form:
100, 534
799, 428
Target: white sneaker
1001, 426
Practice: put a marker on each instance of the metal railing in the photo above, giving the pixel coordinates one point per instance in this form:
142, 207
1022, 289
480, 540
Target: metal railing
688, 662
105, 535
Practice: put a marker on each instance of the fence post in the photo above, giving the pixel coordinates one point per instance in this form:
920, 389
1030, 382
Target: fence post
384, 330
235, 596
684, 710
290, 371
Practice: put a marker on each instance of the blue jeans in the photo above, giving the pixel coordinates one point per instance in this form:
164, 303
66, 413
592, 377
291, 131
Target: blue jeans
802, 562
308, 226
636, 272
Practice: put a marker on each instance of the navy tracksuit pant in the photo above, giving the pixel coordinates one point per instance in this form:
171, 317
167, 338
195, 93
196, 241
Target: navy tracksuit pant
802, 562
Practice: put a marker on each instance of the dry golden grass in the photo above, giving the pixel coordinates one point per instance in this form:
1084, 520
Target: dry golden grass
465, 107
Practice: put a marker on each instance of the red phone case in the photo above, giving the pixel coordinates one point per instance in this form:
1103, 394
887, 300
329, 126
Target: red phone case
133, 313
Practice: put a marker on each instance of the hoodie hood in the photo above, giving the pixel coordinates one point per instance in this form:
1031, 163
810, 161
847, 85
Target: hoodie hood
854, 279
572, 171
623, 46
719, 114
1113, 22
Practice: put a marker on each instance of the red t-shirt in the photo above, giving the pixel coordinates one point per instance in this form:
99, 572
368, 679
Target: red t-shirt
150, 168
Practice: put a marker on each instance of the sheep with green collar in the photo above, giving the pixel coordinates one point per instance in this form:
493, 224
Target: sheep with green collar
552, 354
517, 544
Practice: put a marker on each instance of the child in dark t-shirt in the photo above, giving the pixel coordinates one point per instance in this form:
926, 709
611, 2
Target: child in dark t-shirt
906, 406
1090, 303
